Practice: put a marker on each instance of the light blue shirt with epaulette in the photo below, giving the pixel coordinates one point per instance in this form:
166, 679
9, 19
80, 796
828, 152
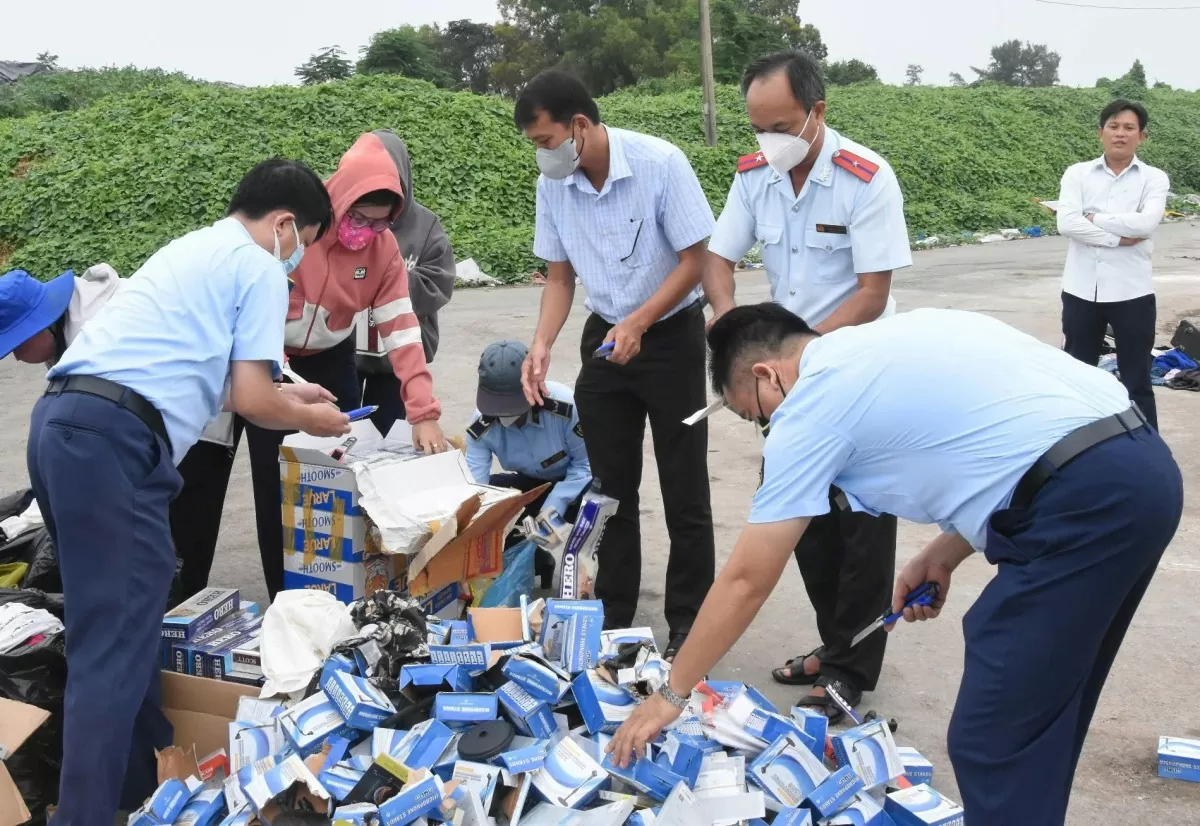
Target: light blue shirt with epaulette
547, 446
848, 219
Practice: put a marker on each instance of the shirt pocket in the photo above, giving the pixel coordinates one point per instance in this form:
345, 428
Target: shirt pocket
770, 244
829, 257
630, 244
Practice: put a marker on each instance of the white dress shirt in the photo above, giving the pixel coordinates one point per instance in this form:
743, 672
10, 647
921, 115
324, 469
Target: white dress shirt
1125, 205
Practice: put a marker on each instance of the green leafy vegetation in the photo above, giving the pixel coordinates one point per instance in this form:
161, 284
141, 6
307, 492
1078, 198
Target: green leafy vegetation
58, 91
115, 181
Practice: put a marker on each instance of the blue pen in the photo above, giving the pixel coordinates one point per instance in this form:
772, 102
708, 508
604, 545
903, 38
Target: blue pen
604, 350
362, 412
925, 595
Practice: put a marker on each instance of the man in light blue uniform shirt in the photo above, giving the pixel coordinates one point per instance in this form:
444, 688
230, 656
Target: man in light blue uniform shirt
625, 212
1015, 450
828, 215
202, 317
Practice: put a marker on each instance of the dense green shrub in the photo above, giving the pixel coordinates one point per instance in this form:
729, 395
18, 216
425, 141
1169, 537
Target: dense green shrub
115, 181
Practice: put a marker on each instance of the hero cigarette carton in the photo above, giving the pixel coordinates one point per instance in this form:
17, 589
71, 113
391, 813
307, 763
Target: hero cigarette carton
362, 705
200, 613
1179, 759
462, 709
917, 768
569, 777
218, 654
871, 751
580, 560
788, 770
922, 806
308, 724
835, 793
604, 706
185, 655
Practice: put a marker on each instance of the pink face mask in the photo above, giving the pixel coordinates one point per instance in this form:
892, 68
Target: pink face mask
355, 238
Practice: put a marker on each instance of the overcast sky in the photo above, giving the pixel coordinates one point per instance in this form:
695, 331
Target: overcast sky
258, 43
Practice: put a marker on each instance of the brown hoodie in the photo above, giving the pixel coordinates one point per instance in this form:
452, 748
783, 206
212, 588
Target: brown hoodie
334, 284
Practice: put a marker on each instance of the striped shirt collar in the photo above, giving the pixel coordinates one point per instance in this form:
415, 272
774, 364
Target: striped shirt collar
618, 165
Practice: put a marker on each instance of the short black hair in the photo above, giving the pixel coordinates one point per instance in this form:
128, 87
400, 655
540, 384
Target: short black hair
755, 331
279, 183
804, 74
379, 197
558, 93
1121, 105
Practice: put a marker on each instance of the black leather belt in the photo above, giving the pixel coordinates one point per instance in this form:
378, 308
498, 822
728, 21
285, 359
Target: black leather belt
1069, 447
119, 395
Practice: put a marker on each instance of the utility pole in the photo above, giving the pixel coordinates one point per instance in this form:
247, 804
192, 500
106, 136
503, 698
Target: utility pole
706, 68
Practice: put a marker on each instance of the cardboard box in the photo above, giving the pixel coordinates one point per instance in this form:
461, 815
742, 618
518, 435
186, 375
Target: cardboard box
569, 777
201, 710
917, 768
815, 724
683, 754
18, 722
524, 755
788, 770
922, 806
311, 722
200, 613
415, 800
250, 742
571, 633
362, 705
421, 747
835, 793
166, 803
1179, 759
205, 809
183, 656
429, 678
862, 811
604, 706
528, 715
871, 751
792, 817
384, 778
356, 814
541, 678
461, 709
611, 641
291, 772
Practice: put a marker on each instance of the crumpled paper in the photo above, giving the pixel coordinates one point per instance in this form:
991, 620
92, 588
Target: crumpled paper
299, 632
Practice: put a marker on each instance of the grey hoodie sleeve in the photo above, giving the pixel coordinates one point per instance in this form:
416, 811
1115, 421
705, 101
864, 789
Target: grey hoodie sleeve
431, 281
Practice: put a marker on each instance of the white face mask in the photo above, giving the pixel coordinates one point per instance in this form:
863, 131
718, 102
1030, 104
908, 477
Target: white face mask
784, 152
560, 162
293, 261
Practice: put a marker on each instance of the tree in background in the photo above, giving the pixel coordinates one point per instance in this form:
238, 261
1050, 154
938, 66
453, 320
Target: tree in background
957, 80
466, 52
1132, 84
328, 64
847, 72
912, 75
403, 51
50, 61
1021, 64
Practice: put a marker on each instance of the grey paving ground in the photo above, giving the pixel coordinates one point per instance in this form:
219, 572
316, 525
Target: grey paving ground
1154, 686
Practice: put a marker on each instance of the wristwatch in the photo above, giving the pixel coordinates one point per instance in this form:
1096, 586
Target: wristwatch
671, 697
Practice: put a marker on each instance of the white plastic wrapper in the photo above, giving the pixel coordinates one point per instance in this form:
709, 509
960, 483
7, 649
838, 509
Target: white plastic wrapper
299, 633
19, 623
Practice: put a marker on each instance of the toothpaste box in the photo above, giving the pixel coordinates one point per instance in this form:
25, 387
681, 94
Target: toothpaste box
415, 800
205, 809
788, 770
569, 776
1179, 759
791, 817
917, 768
421, 747
426, 677
611, 641
835, 793
308, 724
200, 613
871, 751
604, 706
476, 658
362, 705
356, 814
541, 678
815, 724
166, 803
922, 806
461, 709
862, 811
528, 715
571, 633
275, 781
251, 742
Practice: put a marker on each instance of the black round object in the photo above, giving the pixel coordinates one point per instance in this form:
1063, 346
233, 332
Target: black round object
483, 741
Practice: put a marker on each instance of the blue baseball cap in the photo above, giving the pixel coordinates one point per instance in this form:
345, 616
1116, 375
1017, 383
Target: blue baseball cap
28, 306
500, 392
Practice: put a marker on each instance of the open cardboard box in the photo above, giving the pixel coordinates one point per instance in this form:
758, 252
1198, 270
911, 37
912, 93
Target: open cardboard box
18, 722
201, 710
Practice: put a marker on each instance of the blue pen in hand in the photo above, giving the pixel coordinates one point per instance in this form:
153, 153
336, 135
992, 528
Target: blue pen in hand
362, 412
925, 595
604, 350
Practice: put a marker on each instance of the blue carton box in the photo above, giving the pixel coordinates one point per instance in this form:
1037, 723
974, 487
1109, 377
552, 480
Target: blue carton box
604, 706
652, 779
264, 788
461, 709
430, 676
166, 803
338, 662
459, 632
835, 793
308, 724
571, 633
186, 656
362, 705
340, 779
922, 806
357, 814
862, 811
917, 768
683, 754
1179, 759
569, 777
413, 802
422, 747
790, 817
730, 689
769, 727
251, 742
542, 679
200, 613
205, 809
788, 771
529, 715
815, 724
871, 751
476, 658
524, 755
217, 655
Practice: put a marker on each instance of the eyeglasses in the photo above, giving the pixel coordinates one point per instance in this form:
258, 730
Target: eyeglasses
358, 222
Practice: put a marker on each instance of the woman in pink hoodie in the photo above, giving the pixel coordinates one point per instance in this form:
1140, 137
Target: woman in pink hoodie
358, 265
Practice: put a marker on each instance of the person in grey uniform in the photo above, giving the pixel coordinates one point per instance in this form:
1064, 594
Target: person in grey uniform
828, 215
532, 444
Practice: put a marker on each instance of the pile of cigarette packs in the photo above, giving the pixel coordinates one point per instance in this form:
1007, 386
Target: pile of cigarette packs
216, 635
506, 724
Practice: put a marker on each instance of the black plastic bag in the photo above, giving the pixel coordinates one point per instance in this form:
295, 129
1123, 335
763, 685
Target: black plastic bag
14, 504
43, 573
33, 598
37, 675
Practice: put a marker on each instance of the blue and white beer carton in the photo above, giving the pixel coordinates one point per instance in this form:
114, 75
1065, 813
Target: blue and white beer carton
788, 770
871, 751
166, 803
917, 768
835, 793
571, 633
539, 677
415, 800
310, 723
815, 724
1179, 759
922, 806
528, 715
205, 809
362, 705
461, 709
604, 706
569, 776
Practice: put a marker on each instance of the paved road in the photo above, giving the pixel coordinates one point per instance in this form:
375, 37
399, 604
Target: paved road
1153, 689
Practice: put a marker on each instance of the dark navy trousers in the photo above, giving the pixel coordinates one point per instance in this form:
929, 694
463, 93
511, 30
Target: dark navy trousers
1072, 568
105, 484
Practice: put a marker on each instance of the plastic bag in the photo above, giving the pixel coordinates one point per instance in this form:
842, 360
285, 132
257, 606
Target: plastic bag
515, 580
37, 675
299, 632
397, 627
43, 573
15, 503
34, 599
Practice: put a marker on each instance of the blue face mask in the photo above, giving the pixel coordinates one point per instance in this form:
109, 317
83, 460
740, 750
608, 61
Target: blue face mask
293, 261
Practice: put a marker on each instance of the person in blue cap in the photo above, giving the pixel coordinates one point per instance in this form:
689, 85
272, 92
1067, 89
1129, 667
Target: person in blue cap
55, 312
200, 325
533, 444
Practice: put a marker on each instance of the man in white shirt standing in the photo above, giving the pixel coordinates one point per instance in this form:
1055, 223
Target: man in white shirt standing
1109, 208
